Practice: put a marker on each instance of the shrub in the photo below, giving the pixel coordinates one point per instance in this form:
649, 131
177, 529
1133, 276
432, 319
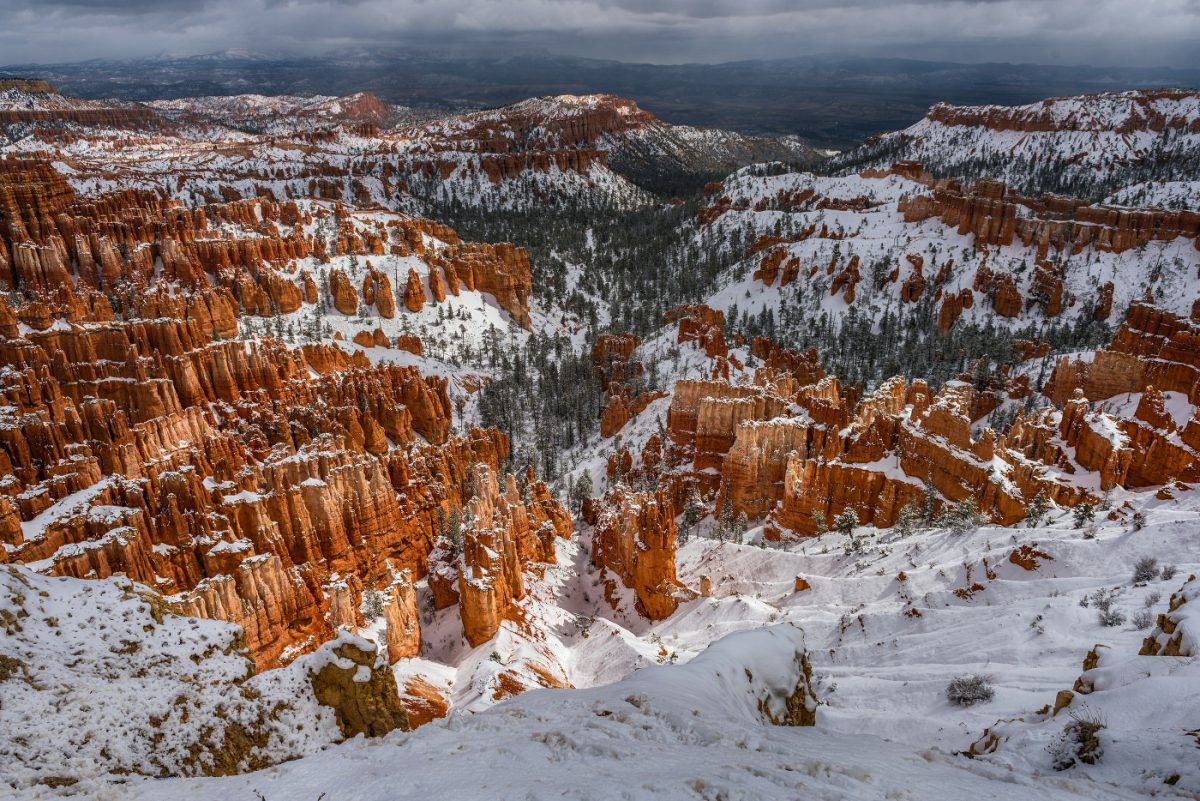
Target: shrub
1139, 521
1145, 570
1143, 619
970, 690
1152, 599
1084, 514
846, 522
1102, 600
1078, 743
1168, 572
1111, 617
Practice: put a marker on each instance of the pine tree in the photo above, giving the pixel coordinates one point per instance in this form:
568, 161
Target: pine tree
725, 522
1039, 507
1084, 513
741, 524
909, 518
965, 516
581, 491
846, 522
929, 499
454, 533
694, 510
372, 603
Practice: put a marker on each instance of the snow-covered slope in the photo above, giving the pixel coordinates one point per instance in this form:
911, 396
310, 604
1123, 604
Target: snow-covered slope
247, 145
1087, 146
100, 677
827, 250
639, 145
885, 631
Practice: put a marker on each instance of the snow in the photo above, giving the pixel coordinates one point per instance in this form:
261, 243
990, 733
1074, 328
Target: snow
1086, 138
878, 235
669, 706
102, 679
670, 732
76, 503
884, 728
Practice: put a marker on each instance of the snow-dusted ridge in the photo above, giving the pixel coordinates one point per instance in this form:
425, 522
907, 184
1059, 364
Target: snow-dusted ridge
1089, 145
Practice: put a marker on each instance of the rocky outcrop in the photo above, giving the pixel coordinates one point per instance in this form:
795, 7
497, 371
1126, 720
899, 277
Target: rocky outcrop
953, 305
994, 216
369, 706
622, 378
1139, 111
803, 368
506, 533
620, 408
414, 292
702, 325
402, 618
491, 580
799, 455
410, 343
501, 270
755, 466
377, 292
611, 348
1178, 630
422, 701
1152, 347
634, 543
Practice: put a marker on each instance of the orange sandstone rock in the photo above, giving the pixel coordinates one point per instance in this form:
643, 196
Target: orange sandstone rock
414, 293
634, 541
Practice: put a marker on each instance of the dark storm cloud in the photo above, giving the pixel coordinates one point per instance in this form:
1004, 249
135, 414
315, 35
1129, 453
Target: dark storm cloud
1160, 32
117, 6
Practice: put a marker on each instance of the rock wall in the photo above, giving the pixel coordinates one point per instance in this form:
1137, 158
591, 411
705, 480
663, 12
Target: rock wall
634, 543
993, 216
1178, 630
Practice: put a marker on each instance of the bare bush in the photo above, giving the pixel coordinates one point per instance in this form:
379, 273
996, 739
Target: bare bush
1143, 619
970, 690
1102, 599
1145, 570
1078, 743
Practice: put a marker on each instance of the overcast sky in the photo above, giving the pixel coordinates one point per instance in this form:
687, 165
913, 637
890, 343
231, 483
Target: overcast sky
1118, 32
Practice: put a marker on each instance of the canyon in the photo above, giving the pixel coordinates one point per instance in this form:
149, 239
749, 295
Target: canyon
286, 421
251, 482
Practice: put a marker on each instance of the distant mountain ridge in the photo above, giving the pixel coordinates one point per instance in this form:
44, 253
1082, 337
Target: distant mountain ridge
829, 101
599, 148
1087, 146
261, 113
